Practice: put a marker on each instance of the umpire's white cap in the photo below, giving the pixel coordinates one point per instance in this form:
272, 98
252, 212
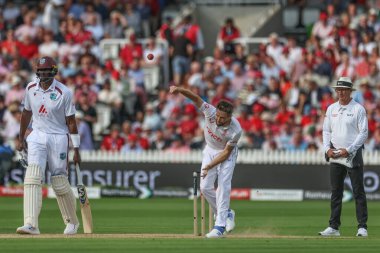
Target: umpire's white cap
344, 82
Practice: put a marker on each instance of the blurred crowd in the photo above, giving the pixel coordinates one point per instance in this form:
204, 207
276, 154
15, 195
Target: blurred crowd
280, 90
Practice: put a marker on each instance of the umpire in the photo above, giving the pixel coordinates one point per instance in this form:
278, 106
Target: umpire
345, 129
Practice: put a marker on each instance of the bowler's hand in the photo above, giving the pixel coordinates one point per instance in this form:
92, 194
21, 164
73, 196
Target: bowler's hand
76, 158
205, 171
174, 89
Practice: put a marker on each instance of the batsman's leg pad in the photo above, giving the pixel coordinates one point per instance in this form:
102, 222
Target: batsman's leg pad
65, 198
32, 194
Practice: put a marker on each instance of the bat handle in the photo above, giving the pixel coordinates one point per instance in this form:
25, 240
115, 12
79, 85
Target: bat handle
79, 175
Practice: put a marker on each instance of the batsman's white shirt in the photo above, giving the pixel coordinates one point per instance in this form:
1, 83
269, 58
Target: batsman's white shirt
49, 107
49, 140
345, 126
216, 139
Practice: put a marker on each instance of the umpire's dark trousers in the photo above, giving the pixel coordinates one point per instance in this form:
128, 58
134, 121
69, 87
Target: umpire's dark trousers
338, 173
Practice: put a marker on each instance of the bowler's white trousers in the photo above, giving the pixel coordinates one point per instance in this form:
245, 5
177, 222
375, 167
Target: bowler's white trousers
48, 148
219, 199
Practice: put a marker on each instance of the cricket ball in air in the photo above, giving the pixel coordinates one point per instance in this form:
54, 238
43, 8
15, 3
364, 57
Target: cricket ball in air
150, 57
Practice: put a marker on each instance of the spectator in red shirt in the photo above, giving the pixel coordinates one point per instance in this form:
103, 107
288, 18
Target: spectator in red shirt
166, 31
343, 25
10, 44
327, 100
113, 141
311, 118
131, 51
189, 123
141, 132
79, 34
283, 115
285, 83
28, 49
243, 119
227, 34
255, 120
362, 68
144, 137
193, 33
330, 57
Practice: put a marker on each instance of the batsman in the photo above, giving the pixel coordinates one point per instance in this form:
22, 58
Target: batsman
49, 104
222, 133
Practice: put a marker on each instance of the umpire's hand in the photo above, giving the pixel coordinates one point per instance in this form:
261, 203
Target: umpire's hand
332, 153
343, 152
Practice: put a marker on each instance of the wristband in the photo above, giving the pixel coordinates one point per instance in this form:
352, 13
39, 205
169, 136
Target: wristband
75, 140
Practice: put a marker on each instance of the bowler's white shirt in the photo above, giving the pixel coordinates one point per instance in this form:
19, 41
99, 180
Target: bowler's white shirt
345, 126
50, 108
218, 137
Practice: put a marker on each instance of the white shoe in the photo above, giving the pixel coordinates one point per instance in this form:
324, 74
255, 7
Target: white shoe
215, 233
230, 223
71, 229
28, 230
362, 232
329, 232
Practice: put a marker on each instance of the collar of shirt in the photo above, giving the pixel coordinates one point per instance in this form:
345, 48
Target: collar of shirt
348, 106
51, 87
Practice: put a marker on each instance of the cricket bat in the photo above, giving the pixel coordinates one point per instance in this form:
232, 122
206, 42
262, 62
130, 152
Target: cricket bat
84, 204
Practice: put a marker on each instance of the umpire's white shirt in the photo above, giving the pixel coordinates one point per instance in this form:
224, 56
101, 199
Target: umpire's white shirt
218, 137
50, 108
345, 126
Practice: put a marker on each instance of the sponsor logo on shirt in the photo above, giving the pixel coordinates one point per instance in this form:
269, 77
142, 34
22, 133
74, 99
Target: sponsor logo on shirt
350, 114
42, 111
214, 136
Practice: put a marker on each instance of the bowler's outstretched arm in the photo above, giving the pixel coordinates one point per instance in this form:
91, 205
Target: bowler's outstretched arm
198, 101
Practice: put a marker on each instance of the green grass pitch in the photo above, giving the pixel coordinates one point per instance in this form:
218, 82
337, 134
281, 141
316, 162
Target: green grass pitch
261, 227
